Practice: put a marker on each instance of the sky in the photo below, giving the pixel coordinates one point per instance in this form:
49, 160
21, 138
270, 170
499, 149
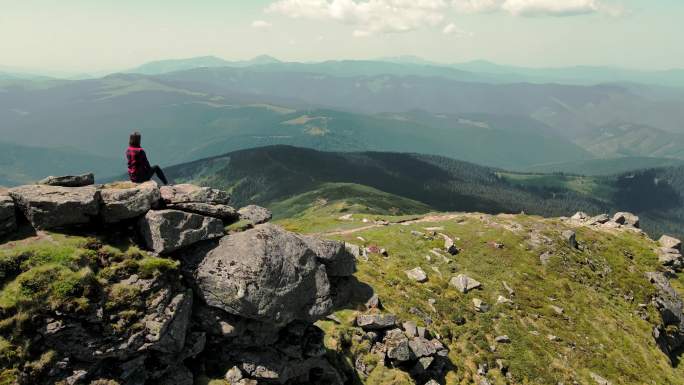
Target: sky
110, 35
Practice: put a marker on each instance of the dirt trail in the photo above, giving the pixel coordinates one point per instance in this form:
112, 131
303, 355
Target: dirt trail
428, 218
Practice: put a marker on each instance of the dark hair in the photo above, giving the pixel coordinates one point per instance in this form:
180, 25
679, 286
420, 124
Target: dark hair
134, 139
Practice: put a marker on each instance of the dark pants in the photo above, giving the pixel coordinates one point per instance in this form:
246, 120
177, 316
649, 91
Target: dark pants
160, 174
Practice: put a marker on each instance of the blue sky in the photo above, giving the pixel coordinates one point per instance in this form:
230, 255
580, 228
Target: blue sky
79, 35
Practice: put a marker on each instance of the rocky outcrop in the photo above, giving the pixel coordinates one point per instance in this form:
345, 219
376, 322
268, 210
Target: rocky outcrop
188, 193
122, 201
670, 334
621, 220
669, 242
165, 231
48, 207
69, 180
8, 220
255, 214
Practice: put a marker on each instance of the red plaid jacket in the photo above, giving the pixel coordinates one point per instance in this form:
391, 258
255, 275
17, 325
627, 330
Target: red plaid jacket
138, 166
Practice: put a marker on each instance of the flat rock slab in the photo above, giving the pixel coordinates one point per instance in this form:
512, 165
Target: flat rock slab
8, 220
220, 211
121, 201
188, 193
165, 231
266, 274
255, 214
376, 321
69, 180
48, 207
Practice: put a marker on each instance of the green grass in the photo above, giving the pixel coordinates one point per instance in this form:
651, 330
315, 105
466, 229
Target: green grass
600, 330
585, 185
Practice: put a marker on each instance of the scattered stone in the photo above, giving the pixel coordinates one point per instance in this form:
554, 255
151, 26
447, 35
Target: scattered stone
417, 233
556, 309
502, 365
503, 300
233, 375
376, 321
417, 274
579, 216
669, 242
553, 338
8, 220
69, 180
570, 237
346, 217
357, 251
76, 377
496, 245
671, 258
480, 305
449, 245
464, 284
397, 345
510, 291
421, 347
48, 207
165, 231
600, 380
482, 369
410, 329
504, 339
545, 258
626, 219
255, 214
127, 200
373, 302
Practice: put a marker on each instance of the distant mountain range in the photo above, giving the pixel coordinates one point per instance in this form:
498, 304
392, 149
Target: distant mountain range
301, 177
195, 108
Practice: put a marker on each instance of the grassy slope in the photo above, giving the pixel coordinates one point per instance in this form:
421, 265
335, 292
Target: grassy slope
600, 330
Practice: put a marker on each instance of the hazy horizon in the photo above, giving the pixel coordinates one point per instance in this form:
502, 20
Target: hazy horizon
107, 36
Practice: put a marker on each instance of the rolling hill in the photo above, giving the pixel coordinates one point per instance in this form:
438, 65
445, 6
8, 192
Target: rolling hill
303, 177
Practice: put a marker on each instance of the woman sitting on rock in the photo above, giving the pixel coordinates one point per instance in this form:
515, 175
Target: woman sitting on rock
139, 169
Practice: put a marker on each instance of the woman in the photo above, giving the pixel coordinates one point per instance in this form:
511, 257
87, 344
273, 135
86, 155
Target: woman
139, 169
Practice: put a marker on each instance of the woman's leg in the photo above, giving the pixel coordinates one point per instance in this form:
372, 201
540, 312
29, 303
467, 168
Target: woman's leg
160, 174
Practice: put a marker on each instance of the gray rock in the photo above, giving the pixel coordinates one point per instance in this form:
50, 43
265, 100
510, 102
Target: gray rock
570, 237
255, 214
127, 200
597, 220
545, 258
397, 345
376, 321
338, 261
48, 207
669, 242
266, 274
449, 245
599, 380
464, 284
224, 212
417, 274
626, 219
188, 193
374, 302
8, 220
233, 375
580, 216
557, 309
670, 257
480, 305
504, 339
421, 347
410, 329
165, 231
69, 180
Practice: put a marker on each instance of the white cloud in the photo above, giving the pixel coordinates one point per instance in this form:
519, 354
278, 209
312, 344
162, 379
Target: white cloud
536, 7
367, 16
261, 24
452, 29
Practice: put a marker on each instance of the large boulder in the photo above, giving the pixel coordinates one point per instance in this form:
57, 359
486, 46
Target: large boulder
669, 242
338, 261
165, 231
48, 207
8, 220
223, 212
121, 201
255, 214
189, 193
266, 274
69, 180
